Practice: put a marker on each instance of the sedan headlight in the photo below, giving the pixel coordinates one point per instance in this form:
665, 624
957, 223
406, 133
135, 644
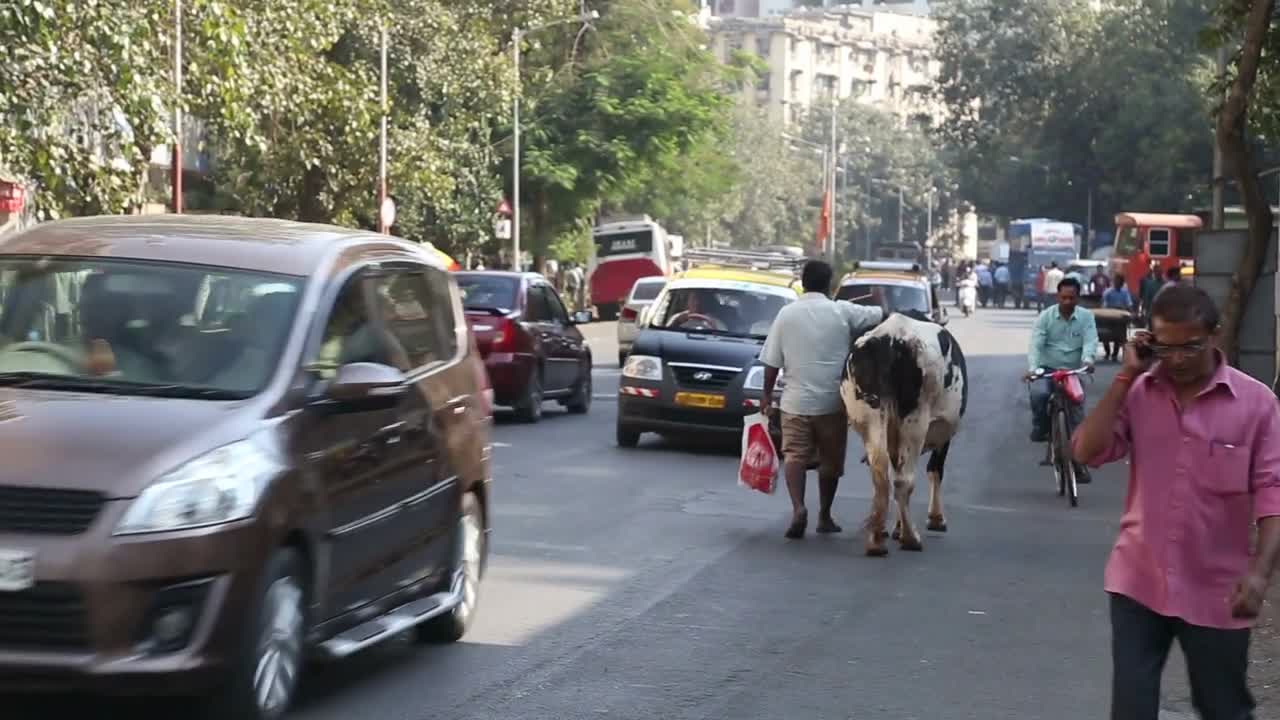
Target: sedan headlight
643, 367
221, 486
755, 379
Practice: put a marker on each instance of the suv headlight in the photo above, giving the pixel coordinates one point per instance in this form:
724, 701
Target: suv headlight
755, 379
643, 367
221, 486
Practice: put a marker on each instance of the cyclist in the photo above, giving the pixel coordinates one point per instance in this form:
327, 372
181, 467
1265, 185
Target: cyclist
1065, 337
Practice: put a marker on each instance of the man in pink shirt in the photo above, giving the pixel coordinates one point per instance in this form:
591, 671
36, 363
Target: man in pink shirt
1203, 441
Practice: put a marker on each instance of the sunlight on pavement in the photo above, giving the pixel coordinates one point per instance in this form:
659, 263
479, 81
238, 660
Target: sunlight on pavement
524, 598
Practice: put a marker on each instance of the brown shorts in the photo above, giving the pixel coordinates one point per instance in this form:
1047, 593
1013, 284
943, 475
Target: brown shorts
826, 436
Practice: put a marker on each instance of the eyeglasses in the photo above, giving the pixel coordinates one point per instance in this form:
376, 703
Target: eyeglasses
1191, 348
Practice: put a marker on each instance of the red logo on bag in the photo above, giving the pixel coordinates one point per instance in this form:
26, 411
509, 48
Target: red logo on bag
759, 467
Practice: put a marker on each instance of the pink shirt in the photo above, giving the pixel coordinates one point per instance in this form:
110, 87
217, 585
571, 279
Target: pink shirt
1197, 480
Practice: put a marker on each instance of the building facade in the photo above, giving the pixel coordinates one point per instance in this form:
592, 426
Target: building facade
880, 57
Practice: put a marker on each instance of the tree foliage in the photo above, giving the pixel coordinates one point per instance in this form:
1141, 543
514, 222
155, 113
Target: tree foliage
1048, 102
882, 153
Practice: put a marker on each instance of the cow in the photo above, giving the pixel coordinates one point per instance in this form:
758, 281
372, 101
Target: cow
905, 388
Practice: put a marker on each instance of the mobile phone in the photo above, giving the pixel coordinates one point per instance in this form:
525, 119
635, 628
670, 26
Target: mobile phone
1144, 351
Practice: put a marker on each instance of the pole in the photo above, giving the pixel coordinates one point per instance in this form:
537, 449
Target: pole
1218, 190
382, 140
1088, 227
899, 214
928, 232
515, 156
177, 107
831, 228
866, 220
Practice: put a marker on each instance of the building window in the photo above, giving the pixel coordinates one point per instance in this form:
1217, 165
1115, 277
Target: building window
762, 44
728, 7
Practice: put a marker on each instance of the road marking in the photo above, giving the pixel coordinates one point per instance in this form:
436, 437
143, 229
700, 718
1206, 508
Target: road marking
606, 372
597, 396
500, 444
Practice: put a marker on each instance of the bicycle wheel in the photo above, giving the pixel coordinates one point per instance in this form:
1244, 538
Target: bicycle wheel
1064, 466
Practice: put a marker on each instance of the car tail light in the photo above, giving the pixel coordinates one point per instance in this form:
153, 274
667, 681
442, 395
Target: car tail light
506, 336
628, 313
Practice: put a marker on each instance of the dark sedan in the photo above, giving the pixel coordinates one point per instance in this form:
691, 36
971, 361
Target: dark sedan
695, 367
528, 340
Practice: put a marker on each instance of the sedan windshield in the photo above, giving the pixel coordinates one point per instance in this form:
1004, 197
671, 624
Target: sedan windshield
737, 312
901, 297
487, 292
142, 328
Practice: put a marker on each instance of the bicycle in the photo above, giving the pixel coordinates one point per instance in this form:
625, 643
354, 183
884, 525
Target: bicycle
1066, 399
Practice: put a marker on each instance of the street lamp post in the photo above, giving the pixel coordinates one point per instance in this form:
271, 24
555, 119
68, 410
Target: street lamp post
177, 107
382, 140
517, 36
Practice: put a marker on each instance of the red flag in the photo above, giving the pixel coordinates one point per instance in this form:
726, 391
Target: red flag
824, 220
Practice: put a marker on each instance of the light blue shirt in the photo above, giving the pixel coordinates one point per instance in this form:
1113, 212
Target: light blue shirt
1002, 274
1118, 299
809, 342
1061, 343
984, 275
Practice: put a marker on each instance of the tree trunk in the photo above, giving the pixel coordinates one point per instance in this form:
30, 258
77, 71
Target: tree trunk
1232, 120
310, 206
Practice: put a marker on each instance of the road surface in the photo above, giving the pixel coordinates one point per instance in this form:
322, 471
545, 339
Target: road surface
644, 584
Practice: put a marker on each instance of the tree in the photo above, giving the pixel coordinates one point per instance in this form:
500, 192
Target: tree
1040, 122
1251, 19
638, 93
882, 154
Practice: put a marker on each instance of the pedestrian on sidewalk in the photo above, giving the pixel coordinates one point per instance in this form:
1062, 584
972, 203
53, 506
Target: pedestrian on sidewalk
809, 343
1203, 441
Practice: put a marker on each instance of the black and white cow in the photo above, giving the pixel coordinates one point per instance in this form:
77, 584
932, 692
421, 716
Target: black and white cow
905, 389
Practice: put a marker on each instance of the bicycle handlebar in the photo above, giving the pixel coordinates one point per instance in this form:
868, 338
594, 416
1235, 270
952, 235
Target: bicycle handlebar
1046, 372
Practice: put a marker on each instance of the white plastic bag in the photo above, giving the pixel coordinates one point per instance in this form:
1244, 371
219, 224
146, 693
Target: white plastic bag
758, 468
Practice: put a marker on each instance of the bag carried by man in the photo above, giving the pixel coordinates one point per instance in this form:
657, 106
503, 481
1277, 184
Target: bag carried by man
758, 469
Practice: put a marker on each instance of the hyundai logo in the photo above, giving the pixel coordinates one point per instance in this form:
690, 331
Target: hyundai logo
702, 376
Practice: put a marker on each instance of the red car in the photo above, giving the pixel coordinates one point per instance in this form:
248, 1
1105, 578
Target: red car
528, 340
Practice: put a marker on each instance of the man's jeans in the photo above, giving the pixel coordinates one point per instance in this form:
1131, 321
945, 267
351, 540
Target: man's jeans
1040, 408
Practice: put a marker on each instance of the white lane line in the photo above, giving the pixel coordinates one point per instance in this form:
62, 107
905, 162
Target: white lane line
606, 372
597, 396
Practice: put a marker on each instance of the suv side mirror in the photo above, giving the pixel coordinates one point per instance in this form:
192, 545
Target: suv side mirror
359, 387
581, 317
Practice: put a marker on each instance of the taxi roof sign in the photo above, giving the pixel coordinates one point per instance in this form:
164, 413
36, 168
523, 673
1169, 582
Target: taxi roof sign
887, 265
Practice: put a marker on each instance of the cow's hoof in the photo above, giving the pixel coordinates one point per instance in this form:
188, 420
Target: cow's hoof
911, 545
881, 536
937, 524
877, 551
896, 534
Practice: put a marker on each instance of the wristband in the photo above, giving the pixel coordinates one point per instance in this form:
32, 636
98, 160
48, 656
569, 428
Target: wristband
1124, 378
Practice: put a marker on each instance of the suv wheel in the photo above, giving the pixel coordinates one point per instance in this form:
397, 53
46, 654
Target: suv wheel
269, 662
627, 437
580, 403
468, 558
530, 408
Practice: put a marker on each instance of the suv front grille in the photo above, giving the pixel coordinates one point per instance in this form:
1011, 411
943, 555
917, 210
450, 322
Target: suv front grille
713, 379
49, 616
49, 512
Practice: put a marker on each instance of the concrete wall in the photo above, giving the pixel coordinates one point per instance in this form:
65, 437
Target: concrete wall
1218, 254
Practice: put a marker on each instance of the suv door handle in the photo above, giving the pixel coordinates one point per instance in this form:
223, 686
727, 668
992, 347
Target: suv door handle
458, 405
392, 434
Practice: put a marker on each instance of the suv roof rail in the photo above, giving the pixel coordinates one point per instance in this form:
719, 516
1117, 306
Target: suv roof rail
892, 265
745, 259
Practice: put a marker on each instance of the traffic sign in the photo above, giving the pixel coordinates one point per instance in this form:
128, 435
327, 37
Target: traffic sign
502, 229
504, 208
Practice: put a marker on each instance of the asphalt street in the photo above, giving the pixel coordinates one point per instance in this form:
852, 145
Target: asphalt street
645, 583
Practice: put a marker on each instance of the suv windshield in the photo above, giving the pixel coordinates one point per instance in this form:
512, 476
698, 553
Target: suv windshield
742, 313
142, 328
901, 297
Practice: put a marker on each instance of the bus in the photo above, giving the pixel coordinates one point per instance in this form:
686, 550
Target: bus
901, 252
1163, 238
624, 251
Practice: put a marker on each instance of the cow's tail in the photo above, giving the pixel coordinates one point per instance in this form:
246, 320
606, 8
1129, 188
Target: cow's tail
893, 435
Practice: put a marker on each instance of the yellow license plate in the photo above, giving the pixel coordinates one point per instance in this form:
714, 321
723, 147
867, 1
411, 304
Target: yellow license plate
700, 400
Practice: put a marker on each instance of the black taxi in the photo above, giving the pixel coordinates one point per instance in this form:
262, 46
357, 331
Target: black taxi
695, 365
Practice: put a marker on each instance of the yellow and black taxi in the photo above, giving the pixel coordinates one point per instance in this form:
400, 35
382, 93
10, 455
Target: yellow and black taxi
903, 286
694, 366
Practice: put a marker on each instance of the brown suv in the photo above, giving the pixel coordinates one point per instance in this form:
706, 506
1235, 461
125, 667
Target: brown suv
230, 447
